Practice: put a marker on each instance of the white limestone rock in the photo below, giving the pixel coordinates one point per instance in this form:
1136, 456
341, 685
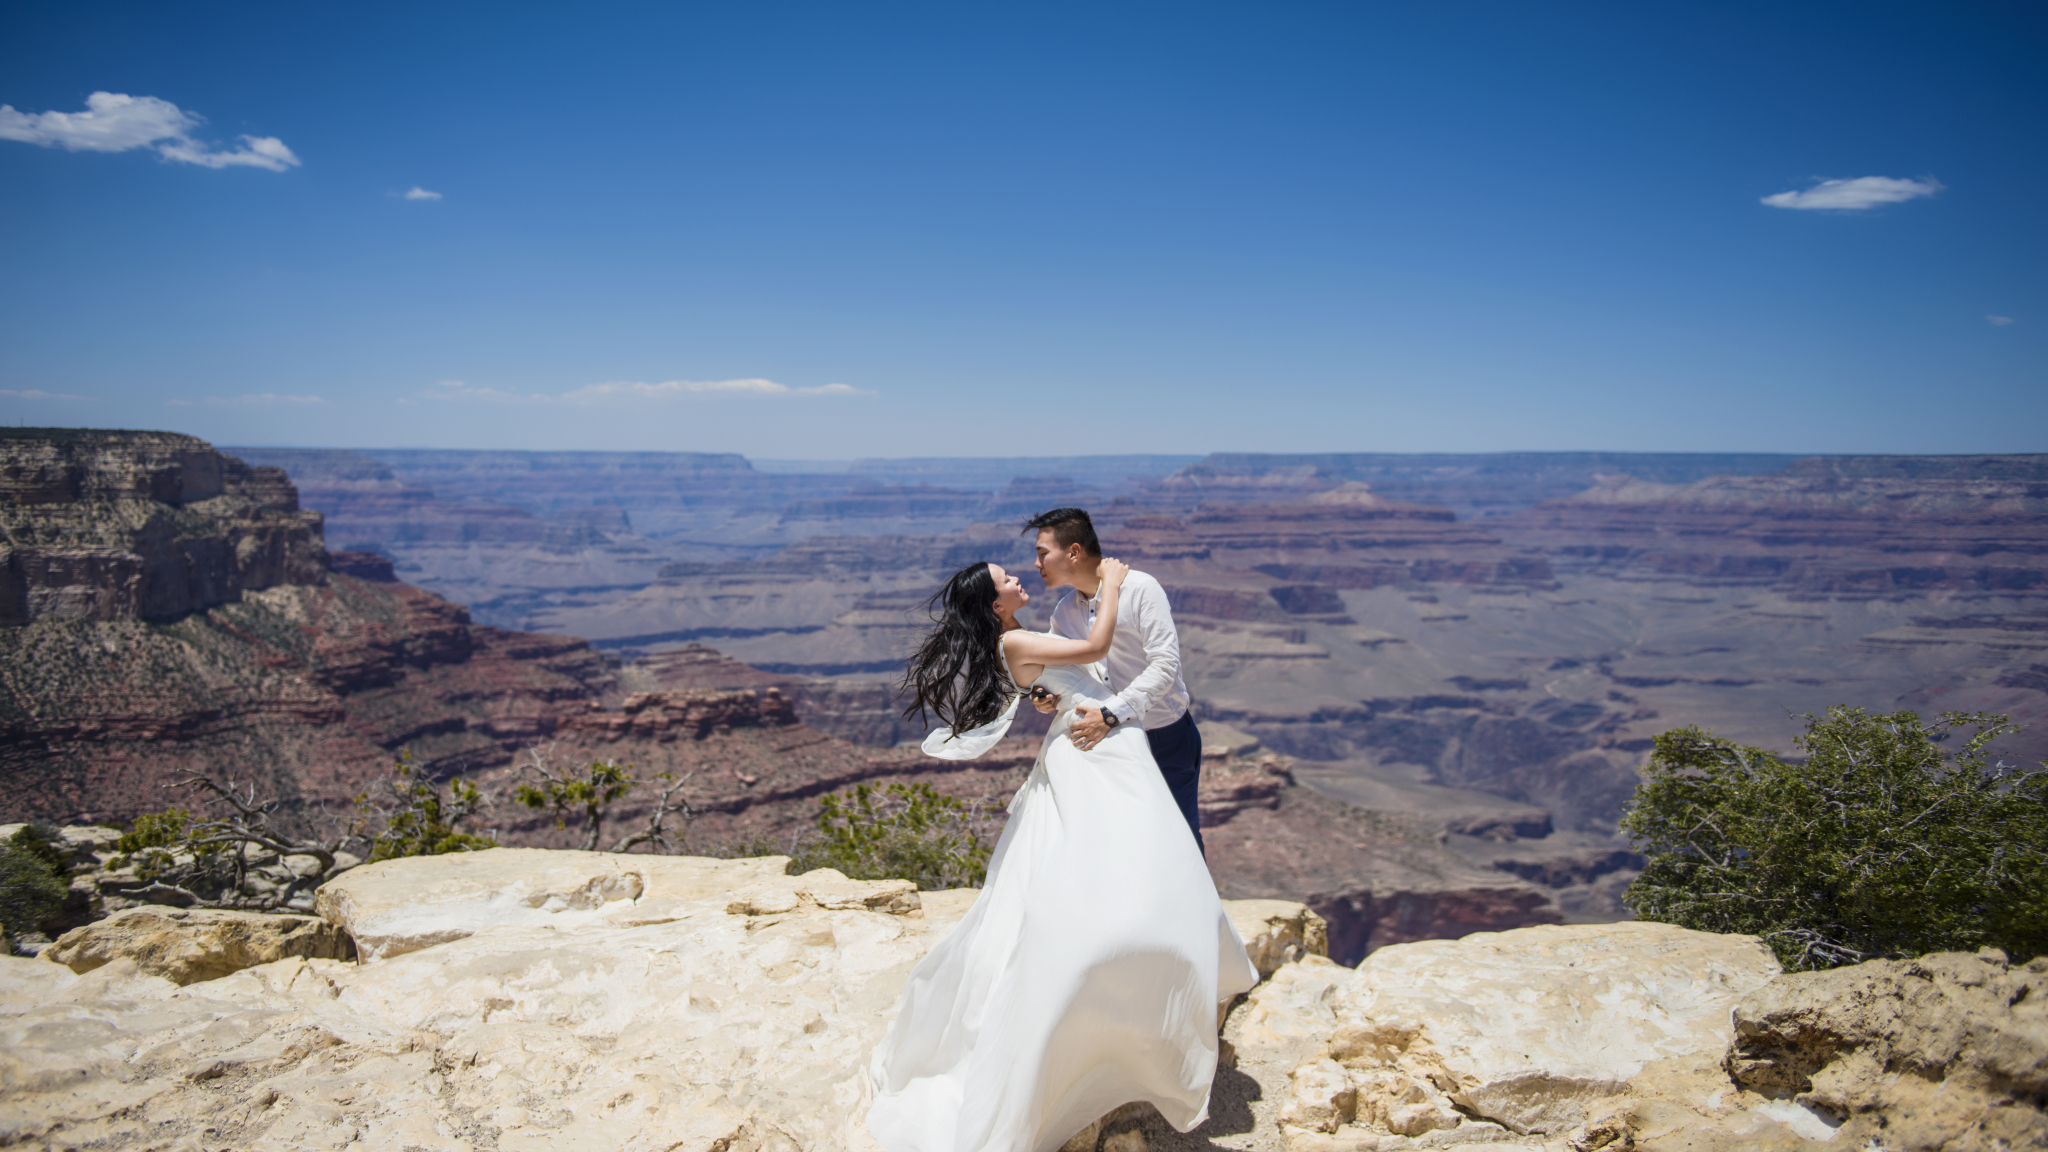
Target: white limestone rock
823, 888
186, 945
1290, 1012
399, 906
1322, 1097
535, 1001
1529, 1029
708, 1030
1276, 932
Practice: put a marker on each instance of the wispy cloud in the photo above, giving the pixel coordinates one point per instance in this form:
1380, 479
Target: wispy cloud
37, 394
114, 122
1998, 321
418, 193
257, 400
597, 393
1855, 195
627, 391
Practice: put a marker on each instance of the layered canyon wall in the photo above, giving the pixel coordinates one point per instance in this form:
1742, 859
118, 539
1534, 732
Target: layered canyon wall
107, 526
1513, 625
1415, 660
174, 609
304, 678
1459, 702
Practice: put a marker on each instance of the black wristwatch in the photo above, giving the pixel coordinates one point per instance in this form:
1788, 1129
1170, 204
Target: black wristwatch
1109, 719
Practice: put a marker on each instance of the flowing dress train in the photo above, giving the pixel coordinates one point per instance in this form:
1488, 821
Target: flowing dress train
1087, 973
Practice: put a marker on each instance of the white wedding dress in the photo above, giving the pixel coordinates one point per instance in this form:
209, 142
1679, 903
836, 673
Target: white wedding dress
1086, 975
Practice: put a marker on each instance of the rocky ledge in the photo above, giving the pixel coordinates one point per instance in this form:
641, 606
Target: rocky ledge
525, 999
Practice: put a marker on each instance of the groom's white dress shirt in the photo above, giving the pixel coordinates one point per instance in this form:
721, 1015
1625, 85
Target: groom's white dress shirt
1143, 665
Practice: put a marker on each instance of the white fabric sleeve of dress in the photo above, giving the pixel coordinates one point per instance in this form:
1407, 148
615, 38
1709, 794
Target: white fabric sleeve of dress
943, 744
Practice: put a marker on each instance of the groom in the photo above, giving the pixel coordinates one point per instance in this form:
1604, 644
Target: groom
1143, 667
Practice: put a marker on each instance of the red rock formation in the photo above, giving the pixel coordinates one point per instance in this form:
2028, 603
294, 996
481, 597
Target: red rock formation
175, 612
693, 666
141, 525
1379, 878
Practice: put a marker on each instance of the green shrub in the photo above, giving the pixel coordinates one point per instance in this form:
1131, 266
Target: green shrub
588, 793
156, 830
31, 891
238, 853
416, 818
152, 844
1879, 843
46, 843
901, 832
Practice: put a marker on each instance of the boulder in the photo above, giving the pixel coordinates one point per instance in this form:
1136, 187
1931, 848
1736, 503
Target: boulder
703, 1030
1949, 1050
1523, 1031
397, 906
823, 888
1276, 932
187, 945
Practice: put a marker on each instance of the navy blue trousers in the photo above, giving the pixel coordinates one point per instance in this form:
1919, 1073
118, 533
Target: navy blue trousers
1178, 749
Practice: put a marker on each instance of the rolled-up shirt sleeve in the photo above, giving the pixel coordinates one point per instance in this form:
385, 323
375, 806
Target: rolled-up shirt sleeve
1154, 621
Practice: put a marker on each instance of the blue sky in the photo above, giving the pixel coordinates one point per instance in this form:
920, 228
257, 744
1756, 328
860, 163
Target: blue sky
832, 230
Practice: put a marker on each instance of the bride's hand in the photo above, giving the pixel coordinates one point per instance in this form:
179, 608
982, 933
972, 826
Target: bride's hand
1112, 571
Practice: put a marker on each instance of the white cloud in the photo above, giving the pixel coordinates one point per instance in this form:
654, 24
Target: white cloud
1855, 195
1999, 321
418, 193
114, 122
258, 400
593, 394
37, 394
596, 393
457, 390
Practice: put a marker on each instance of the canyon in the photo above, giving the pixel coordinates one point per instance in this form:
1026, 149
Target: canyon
1428, 681
1407, 657
304, 681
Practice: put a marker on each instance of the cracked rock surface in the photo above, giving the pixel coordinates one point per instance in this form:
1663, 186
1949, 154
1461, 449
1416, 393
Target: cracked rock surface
576, 1000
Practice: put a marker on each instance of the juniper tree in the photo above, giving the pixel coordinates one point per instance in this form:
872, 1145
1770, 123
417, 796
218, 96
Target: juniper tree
1886, 839
902, 832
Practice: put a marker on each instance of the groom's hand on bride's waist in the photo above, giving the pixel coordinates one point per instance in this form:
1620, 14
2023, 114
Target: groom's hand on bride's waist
1046, 702
1088, 728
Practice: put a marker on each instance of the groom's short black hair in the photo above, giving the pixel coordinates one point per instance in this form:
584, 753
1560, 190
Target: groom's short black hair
1070, 526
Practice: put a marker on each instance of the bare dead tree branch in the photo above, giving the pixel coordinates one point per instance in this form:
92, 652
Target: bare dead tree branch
666, 803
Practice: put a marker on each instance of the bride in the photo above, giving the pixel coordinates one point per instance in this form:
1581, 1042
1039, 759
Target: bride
1088, 972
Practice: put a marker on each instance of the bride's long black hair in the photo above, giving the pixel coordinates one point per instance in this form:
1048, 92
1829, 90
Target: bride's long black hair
958, 673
